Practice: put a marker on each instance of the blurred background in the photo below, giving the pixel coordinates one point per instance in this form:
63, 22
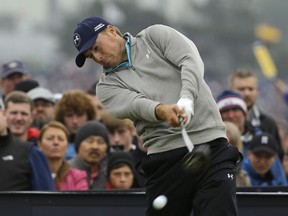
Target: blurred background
39, 32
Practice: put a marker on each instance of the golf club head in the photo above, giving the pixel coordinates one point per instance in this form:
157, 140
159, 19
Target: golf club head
198, 160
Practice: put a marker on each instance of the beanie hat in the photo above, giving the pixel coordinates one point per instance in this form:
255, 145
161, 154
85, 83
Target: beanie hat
26, 85
229, 99
117, 158
91, 128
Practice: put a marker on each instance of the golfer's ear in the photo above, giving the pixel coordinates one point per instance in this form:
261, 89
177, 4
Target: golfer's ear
111, 29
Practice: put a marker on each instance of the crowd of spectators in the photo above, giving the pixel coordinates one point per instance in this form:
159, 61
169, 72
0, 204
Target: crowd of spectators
61, 142
68, 141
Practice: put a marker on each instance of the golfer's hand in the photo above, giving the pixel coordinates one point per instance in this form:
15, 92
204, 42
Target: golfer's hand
187, 106
170, 113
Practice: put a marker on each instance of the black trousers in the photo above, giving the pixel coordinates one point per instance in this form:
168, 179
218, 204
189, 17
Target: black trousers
207, 193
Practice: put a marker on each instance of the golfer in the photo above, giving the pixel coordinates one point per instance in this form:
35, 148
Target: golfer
153, 78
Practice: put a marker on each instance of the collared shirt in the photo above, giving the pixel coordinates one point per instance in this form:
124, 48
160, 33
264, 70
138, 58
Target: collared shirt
125, 64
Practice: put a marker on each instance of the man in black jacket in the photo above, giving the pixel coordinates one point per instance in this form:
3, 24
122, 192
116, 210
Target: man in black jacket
245, 82
22, 165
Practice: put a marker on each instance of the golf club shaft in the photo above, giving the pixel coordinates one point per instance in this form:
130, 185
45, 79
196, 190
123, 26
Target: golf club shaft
185, 136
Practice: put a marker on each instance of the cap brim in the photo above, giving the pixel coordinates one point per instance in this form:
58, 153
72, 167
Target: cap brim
264, 149
80, 58
14, 70
50, 100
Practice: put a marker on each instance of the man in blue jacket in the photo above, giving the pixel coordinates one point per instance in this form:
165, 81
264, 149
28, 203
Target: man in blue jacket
262, 154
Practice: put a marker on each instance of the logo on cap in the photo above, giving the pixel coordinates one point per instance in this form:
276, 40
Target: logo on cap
264, 139
12, 65
99, 26
77, 39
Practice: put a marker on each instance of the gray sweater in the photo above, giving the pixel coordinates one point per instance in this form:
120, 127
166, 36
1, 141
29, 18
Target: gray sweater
166, 66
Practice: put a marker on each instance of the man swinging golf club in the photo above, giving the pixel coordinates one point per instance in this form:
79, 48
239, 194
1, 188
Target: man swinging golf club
153, 79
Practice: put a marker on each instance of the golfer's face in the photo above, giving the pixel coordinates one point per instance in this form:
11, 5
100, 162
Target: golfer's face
106, 49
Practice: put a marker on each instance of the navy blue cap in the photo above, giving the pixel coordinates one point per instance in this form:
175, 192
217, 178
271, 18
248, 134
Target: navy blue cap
14, 66
85, 35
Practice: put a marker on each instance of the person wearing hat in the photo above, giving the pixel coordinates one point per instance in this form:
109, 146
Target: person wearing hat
233, 109
152, 79
262, 154
121, 171
44, 106
12, 72
92, 145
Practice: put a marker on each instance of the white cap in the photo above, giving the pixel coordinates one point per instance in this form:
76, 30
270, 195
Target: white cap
41, 93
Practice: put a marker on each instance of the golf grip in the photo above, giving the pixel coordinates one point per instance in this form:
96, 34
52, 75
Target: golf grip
185, 136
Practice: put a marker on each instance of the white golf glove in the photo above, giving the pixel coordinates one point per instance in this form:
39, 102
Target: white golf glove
187, 106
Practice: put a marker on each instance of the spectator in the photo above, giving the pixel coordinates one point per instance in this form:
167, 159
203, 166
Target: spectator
12, 72
99, 108
23, 166
73, 110
44, 106
53, 142
121, 136
245, 82
121, 171
19, 116
234, 138
262, 154
121, 133
92, 145
233, 109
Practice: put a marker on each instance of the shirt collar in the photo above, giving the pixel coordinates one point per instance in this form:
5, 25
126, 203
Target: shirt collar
125, 64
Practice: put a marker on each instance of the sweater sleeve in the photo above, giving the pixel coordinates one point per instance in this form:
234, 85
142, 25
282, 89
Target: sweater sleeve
41, 175
135, 105
182, 53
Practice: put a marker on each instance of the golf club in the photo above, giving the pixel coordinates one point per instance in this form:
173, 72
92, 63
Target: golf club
198, 158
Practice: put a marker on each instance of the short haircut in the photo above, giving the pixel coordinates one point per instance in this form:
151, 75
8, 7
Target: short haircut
76, 101
113, 123
18, 97
240, 73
